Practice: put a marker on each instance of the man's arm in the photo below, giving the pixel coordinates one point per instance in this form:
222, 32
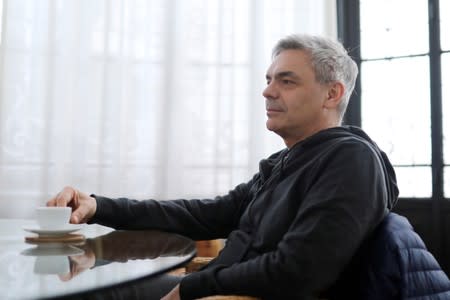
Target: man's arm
198, 219
342, 207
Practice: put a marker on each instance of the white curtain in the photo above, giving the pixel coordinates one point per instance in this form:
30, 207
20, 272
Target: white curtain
145, 98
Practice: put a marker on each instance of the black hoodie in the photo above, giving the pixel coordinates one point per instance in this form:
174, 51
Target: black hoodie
290, 230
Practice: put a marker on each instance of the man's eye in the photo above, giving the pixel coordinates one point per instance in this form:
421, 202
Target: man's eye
287, 82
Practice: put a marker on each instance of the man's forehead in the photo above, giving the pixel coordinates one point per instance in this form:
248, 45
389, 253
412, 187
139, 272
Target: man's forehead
289, 61
283, 70
277, 67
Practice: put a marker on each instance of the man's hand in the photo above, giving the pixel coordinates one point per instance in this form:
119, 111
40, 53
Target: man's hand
174, 294
83, 206
79, 264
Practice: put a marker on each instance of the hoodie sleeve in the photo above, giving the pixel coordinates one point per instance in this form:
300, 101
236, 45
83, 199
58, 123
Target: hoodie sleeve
346, 200
197, 219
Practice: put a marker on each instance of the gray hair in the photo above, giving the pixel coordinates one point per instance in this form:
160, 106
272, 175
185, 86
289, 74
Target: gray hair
329, 59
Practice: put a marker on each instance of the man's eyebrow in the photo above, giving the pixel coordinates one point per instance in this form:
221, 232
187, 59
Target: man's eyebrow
284, 74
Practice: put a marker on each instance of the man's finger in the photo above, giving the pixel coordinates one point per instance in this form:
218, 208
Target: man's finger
65, 196
74, 219
78, 215
51, 202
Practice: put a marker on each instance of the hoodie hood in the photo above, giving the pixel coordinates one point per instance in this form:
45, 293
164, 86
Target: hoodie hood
390, 176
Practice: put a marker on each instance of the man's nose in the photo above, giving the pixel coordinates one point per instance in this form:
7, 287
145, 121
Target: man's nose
270, 92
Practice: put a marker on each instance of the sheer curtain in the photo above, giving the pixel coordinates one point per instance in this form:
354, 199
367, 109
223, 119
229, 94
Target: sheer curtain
145, 99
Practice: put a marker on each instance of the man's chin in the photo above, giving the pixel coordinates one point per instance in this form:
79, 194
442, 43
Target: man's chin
272, 128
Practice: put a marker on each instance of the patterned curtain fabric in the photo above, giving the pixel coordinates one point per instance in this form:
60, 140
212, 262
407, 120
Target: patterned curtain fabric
145, 99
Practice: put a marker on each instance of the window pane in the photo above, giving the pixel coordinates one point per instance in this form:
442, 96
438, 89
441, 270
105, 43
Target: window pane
385, 34
446, 104
395, 108
396, 114
414, 181
445, 24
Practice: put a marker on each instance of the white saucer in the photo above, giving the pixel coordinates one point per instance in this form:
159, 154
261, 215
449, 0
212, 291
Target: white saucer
54, 232
47, 250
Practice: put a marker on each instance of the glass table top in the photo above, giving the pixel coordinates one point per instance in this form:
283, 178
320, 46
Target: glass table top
105, 258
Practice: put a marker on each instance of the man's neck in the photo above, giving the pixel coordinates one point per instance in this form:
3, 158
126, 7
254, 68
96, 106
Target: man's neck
290, 141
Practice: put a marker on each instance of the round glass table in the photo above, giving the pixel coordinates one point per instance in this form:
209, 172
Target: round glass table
105, 258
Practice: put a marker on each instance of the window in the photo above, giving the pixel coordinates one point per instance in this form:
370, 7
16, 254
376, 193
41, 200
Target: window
394, 83
402, 99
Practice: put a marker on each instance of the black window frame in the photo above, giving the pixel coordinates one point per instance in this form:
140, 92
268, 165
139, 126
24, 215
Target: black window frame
436, 207
348, 16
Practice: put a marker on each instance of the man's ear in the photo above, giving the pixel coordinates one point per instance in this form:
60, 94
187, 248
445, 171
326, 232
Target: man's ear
335, 94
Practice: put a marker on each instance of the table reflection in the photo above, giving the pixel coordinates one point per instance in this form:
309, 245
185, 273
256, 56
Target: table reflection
122, 246
105, 260
52, 258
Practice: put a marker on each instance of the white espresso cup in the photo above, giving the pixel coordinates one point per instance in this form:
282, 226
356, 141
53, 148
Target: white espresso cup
53, 217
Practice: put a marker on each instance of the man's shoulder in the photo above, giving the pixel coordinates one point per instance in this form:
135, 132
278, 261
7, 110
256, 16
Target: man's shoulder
341, 139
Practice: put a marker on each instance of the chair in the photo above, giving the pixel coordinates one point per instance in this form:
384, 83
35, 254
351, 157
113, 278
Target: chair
393, 263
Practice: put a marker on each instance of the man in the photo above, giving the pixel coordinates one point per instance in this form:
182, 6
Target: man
296, 224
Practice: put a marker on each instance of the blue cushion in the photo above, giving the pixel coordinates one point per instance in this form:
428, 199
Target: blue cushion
393, 263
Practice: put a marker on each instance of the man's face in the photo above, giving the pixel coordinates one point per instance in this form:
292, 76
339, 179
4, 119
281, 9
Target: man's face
294, 99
